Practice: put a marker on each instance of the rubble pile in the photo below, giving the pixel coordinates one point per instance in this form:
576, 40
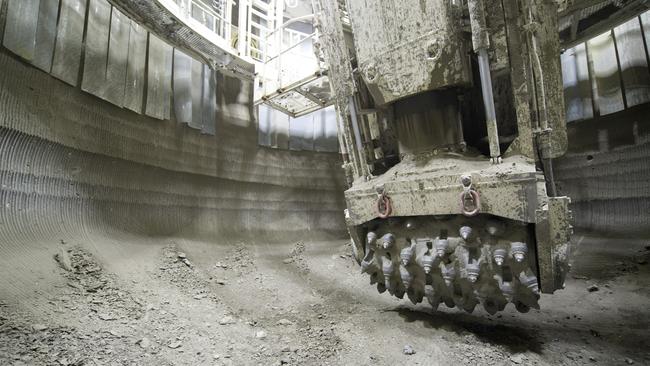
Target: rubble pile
178, 269
37, 344
94, 288
297, 256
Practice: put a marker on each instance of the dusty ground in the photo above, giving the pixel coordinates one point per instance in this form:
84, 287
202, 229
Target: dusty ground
128, 300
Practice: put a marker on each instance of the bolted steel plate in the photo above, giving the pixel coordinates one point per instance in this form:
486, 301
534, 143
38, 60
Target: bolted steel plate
197, 91
301, 133
159, 78
135, 69
67, 51
326, 130
182, 87
208, 125
96, 52
20, 30
118, 52
48, 13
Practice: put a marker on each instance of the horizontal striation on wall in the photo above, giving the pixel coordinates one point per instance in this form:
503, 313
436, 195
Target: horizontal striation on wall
37, 104
72, 164
621, 217
48, 188
609, 190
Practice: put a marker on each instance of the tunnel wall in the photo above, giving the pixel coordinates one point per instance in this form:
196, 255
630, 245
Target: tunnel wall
606, 173
71, 162
607, 93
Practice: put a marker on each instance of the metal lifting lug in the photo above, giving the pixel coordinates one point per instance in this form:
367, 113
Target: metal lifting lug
469, 197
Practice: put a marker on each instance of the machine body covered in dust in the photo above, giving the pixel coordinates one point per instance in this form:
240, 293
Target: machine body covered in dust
450, 117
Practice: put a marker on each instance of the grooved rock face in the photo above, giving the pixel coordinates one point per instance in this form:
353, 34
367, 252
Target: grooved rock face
79, 162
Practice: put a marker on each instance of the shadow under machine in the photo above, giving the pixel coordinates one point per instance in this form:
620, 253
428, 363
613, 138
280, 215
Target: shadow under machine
450, 116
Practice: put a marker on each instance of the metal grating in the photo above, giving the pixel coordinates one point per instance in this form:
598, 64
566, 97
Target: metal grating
159, 20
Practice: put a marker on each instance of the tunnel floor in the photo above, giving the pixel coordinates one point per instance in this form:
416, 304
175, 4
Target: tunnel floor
129, 300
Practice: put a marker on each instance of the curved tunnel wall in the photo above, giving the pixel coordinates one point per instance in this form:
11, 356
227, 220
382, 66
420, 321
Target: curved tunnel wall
606, 173
70, 162
607, 98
